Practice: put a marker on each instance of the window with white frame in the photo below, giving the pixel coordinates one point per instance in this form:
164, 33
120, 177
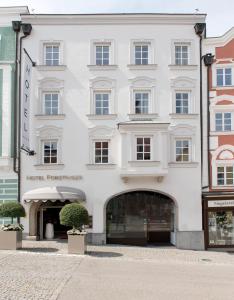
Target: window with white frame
182, 102
102, 55
141, 54
101, 155
224, 76
182, 150
223, 121
143, 148
50, 152
181, 54
225, 175
51, 103
141, 102
52, 54
102, 103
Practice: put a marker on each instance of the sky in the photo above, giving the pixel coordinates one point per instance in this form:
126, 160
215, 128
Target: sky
220, 14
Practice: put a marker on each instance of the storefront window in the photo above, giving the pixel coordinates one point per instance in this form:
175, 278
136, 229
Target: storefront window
221, 228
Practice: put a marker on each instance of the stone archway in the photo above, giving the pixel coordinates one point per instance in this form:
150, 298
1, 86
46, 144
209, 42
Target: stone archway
140, 217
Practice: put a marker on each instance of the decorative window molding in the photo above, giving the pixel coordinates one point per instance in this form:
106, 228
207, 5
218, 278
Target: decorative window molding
151, 54
49, 133
49, 85
100, 134
183, 132
223, 156
112, 55
143, 85
102, 85
191, 51
215, 67
42, 57
216, 107
184, 85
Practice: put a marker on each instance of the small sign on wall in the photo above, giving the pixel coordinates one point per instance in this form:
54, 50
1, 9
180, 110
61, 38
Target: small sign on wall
221, 203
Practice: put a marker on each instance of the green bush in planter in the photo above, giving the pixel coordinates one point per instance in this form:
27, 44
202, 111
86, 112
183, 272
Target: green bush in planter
74, 215
12, 210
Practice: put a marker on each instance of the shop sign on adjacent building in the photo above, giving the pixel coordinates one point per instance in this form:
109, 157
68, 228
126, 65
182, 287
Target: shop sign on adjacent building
54, 177
221, 203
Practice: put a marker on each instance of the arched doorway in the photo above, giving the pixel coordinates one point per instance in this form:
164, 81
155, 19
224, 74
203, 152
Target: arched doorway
45, 205
140, 218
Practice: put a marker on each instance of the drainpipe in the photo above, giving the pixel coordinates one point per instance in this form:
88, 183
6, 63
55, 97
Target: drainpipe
26, 28
16, 25
200, 30
208, 60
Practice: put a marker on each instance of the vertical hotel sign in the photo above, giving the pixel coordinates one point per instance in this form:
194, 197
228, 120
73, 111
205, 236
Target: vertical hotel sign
25, 107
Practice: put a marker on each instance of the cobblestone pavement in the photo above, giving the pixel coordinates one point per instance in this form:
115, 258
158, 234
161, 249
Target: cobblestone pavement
44, 270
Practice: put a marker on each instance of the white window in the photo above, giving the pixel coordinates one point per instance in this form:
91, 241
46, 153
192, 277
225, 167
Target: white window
182, 102
102, 103
102, 55
141, 54
51, 54
101, 152
181, 54
182, 150
50, 152
225, 175
223, 121
141, 102
143, 148
224, 76
51, 103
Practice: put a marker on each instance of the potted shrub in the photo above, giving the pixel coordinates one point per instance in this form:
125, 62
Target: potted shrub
75, 215
11, 234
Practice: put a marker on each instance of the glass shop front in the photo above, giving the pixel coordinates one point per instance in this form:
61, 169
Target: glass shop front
219, 223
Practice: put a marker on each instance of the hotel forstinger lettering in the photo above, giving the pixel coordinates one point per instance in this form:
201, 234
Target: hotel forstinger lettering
52, 177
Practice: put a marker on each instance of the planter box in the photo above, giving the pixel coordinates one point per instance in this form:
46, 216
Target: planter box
77, 243
10, 240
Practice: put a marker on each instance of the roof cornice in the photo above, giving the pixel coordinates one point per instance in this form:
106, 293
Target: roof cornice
12, 10
222, 40
95, 19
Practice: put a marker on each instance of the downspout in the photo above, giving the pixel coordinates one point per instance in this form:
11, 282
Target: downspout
15, 106
200, 30
208, 60
17, 25
19, 119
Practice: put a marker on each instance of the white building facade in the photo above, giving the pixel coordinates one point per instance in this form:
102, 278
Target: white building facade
115, 124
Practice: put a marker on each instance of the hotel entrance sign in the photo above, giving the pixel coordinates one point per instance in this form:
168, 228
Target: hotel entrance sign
25, 105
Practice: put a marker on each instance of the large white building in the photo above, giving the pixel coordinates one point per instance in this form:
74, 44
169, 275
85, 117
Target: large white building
115, 123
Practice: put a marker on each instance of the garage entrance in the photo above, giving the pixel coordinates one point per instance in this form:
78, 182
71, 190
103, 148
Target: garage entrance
140, 218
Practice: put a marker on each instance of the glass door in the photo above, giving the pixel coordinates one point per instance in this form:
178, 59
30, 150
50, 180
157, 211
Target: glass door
221, 228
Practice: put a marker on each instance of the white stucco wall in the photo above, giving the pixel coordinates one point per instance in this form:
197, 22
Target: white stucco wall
181, 182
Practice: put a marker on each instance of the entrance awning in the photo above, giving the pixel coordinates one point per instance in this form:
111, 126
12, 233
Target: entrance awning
60, 193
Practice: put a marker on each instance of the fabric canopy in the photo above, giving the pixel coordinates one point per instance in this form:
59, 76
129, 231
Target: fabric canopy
53, 194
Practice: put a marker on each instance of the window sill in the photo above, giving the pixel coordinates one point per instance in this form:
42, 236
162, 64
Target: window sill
102, 117
51, 68
102, 68
50, 117
49, 166
224, 87
183, 67
144, 163
183, 164
183, 116
222, 187
143, 116
100, 166
142, 67
215, 133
